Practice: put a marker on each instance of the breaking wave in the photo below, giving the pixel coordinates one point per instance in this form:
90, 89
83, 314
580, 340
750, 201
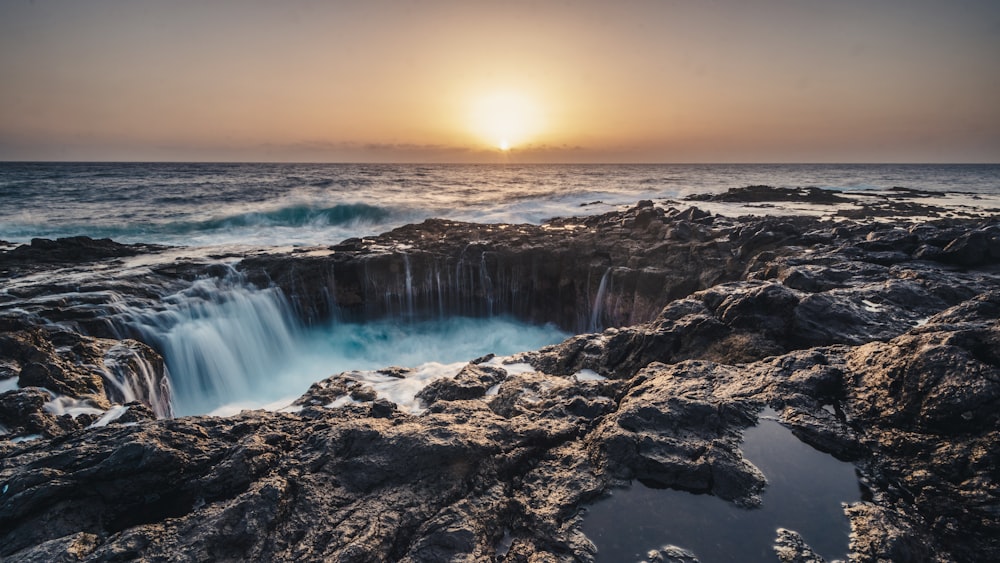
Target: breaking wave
296, 216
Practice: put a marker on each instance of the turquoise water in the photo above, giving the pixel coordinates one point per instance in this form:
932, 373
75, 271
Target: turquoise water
228, 345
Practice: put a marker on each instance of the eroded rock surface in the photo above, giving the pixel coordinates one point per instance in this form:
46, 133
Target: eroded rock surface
873, 342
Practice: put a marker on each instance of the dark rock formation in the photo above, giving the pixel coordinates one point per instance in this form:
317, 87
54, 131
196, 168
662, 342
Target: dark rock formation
69, 250
875, 343
642, 258
791, 548
771, 193
65, 379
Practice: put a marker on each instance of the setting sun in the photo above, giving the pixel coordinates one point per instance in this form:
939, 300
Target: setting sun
506, 119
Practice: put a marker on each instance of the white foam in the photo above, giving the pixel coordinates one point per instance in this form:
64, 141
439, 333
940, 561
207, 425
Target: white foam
342, 401
512, 369
60, 405
27, 438
113, 414
871, 307
9, 384
588, 375
403, 390
283, 404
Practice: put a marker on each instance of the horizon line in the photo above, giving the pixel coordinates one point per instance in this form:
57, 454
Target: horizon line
482, 163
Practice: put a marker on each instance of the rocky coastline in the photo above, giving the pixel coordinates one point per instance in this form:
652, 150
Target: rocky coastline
877, 342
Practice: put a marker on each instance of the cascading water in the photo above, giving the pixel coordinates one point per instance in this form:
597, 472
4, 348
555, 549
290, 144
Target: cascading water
409, 286
133, 378
221, 340
229, 345
598, 308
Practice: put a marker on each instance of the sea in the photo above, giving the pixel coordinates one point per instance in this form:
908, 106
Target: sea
267, 204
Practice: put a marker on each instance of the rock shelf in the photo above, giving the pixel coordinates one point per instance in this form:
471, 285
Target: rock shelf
874, 342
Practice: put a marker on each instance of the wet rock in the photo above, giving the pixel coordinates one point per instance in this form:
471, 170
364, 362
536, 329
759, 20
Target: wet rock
328, 390
470, 383
917, 376
137, 412
40, 365
22, 413
869, 347
99, 371
761, 193
71, 249
67, 549
547, 273
885, 534
973, 249
673, 429
791, 548
670, 554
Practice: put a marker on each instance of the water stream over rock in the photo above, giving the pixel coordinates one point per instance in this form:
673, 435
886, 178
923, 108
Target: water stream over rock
228, 345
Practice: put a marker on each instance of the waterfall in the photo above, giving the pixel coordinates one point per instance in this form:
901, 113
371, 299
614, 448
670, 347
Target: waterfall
221, 339
134, 378
229, 345
440, 293
487, 284
409, 285
595, 311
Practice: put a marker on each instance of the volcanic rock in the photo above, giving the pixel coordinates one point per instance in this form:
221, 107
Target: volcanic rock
875, 344
770, 193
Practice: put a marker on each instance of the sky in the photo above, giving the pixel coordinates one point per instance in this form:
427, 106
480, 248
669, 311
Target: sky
486, 81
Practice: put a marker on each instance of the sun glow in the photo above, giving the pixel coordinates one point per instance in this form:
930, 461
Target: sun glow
505, 119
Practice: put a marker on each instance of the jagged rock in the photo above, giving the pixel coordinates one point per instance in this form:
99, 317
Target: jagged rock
97, 371
67, 549
973, 249
670, 554
673, 429
762, 193
22, 413
332, 388
791, 548
40, 365
470, 383
137, 412
869, 343
71, 249
883, 533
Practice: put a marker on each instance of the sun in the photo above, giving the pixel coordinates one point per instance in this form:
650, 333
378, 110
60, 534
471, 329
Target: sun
506, 118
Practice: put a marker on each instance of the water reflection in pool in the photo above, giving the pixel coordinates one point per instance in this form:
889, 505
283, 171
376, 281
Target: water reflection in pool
804, 493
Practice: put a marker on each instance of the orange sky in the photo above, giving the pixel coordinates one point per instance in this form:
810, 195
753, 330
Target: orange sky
437, 81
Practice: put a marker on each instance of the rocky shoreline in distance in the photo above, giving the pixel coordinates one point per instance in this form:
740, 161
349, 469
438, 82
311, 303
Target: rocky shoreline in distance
876, 342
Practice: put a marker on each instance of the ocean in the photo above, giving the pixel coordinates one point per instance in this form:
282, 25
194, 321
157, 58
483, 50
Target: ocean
317, 204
